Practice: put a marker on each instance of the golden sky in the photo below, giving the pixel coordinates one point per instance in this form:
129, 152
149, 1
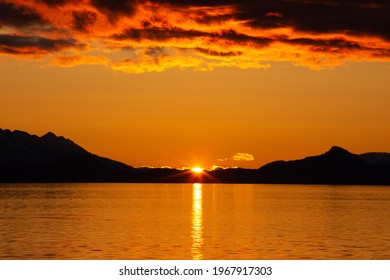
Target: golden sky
183, 83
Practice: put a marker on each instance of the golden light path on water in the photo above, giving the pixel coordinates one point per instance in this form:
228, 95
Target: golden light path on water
197, 222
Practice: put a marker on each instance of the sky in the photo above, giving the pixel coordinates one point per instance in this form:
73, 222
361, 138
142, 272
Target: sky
198, 83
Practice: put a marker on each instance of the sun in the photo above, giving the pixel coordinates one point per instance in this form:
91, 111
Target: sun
197, 170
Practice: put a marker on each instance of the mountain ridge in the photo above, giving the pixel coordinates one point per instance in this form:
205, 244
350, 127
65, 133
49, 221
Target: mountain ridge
51, 158
19, 145
336, 166
28, 157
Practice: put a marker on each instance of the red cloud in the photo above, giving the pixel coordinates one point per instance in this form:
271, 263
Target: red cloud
197, 34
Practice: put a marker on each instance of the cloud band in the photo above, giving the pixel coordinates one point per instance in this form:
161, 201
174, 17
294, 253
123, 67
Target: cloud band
202, 35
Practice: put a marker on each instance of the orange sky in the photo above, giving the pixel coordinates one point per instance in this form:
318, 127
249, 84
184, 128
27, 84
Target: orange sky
166, 83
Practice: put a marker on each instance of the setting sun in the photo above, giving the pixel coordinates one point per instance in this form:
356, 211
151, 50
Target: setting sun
197, 170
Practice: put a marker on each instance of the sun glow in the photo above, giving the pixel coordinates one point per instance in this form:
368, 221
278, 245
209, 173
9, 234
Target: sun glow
197, 170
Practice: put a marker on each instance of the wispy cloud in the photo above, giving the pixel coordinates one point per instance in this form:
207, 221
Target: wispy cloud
238, 157
75, 60
201, 35
25, 45
243, 157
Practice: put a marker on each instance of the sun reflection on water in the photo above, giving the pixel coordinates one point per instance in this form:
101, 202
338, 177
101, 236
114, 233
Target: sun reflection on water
197, 222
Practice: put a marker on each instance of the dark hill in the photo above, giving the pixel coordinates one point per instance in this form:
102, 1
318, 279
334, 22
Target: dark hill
29, 158
376, 158
337, 166
21, 146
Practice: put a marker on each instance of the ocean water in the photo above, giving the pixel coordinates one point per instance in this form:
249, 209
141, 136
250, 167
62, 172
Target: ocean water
193, 221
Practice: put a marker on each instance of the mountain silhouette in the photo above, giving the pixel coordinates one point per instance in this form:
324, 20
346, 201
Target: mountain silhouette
376, 158
336, 166
21, 146
51, 158
30, 158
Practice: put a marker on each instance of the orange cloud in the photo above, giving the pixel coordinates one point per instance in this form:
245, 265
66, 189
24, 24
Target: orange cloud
75, 60
126, 34
243, 157
238, 157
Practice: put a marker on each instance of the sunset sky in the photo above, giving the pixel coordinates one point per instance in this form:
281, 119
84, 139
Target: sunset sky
185, 83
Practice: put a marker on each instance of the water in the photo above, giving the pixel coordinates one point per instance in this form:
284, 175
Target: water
193, 221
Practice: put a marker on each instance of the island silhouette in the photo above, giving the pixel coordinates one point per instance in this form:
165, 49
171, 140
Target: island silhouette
51, 158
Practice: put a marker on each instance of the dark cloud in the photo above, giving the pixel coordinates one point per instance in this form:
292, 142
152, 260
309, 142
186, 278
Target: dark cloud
218, 53
158, 34
203, 3
370, 17
55, 2
325, 44
316, 16
18, 16
241, 38
165, 34
155, 52
84, 20
349, 17
354, 17
115, 8
14, 44
204, 18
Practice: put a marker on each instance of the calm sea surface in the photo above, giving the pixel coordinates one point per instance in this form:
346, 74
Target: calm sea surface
193, 221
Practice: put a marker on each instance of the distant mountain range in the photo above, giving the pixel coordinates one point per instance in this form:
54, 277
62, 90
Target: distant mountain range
51, 158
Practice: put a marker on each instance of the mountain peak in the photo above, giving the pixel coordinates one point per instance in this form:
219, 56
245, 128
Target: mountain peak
341, 155
337, 150
49, 135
